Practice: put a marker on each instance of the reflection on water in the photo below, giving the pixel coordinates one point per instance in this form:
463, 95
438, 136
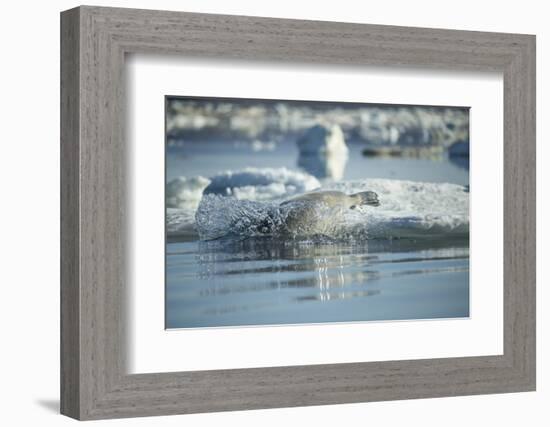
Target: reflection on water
461, 161
265, 281
324, 165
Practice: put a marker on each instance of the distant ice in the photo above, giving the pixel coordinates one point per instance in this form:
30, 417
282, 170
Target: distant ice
261, 184
323, 151
322, 139
372, 124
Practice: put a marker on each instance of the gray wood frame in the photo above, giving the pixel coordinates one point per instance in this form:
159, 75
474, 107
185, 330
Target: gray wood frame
94, 41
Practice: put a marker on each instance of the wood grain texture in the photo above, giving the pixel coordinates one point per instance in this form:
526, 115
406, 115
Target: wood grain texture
94, 380
70, 292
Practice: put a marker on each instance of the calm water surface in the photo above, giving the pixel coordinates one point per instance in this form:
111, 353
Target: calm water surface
262, 282
211, 158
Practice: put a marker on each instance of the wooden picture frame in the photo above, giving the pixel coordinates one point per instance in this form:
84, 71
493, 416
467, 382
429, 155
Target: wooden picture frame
94, 382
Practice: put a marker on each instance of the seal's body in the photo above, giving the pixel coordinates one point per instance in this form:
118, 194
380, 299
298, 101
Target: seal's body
317, 212
338, 199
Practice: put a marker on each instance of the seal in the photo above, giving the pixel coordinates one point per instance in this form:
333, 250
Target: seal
337, 199
314, 213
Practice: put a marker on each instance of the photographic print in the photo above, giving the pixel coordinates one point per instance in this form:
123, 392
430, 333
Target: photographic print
289, 212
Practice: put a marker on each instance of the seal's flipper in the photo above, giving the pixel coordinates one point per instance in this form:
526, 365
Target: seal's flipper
369, 198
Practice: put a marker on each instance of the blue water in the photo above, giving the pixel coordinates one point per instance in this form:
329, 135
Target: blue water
210, 158
266, 281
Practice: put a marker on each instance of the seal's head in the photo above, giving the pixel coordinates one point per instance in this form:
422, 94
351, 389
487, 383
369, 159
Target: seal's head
368, 198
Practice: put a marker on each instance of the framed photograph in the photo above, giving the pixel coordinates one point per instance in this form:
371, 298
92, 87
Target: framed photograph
262, 213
